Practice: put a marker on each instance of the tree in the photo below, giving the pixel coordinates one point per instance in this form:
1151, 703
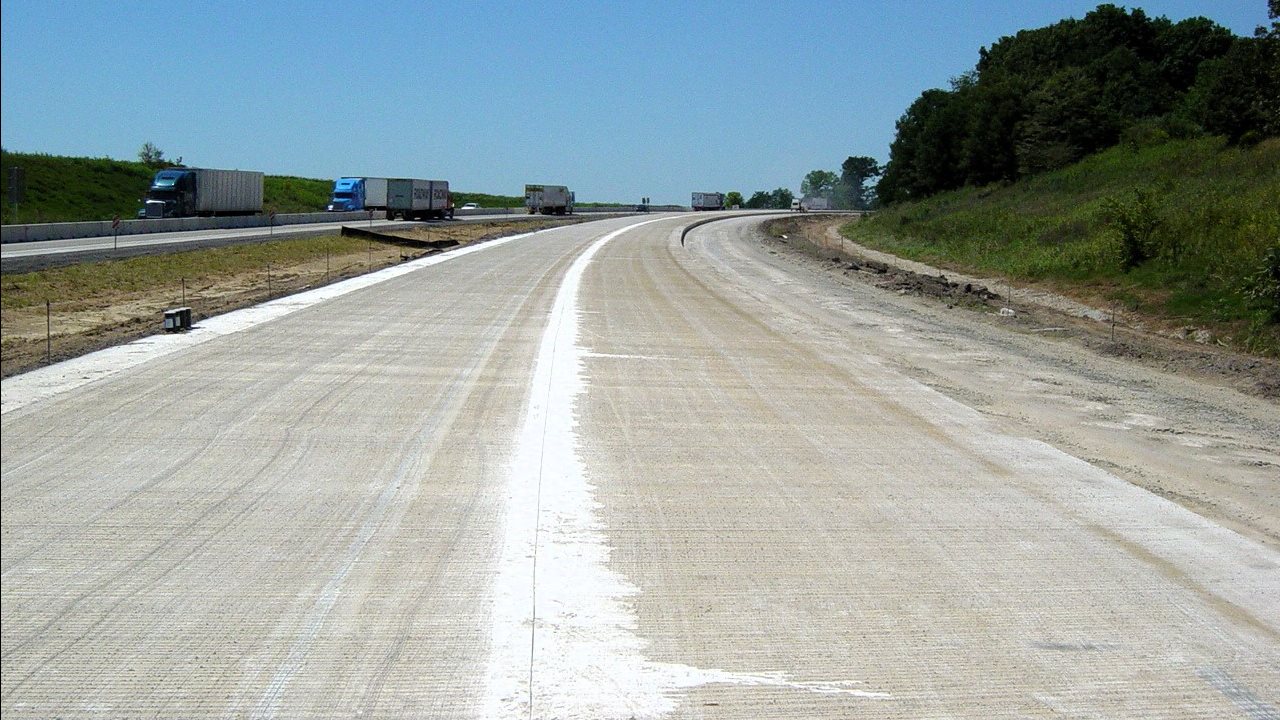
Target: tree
855, 172
152, 156
733, 197
780, 199
819, 184
1236, 95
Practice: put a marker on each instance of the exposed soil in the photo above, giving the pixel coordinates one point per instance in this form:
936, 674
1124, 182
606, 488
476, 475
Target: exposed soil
1115, 333
32, 337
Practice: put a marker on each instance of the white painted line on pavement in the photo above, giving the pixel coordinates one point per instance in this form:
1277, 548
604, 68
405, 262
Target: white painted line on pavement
587, 661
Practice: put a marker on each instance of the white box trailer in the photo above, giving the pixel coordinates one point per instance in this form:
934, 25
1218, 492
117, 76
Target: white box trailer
228, 191
418, 199
183, 192
707, 201
375, 193
548, 199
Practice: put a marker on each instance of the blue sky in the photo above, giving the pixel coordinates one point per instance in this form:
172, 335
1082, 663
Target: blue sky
616, 100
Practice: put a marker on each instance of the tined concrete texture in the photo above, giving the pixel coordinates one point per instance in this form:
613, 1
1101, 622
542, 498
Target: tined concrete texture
593, 473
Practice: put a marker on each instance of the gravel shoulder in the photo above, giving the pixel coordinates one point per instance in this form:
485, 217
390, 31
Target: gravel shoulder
1191, 424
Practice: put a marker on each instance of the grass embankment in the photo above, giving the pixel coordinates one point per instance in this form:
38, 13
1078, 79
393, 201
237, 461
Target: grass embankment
1179, 232
72, 189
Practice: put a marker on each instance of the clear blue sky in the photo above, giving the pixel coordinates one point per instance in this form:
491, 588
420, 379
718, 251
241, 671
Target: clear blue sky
616, 100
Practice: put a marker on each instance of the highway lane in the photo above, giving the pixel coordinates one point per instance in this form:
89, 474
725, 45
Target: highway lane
597, 472
26, 256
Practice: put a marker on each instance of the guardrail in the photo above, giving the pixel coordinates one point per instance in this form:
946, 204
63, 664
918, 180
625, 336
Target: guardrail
64, 231
102, 228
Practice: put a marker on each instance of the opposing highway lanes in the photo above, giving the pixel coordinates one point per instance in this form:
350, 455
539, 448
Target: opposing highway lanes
593, 473
36, 255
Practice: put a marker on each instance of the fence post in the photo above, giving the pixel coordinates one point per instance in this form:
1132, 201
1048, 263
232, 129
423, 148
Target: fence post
268, 280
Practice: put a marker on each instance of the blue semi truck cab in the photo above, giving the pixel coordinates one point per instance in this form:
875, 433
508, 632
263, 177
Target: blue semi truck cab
358, 193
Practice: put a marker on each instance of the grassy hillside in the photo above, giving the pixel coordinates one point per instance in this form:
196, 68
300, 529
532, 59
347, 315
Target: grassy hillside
1187, 232
70, 189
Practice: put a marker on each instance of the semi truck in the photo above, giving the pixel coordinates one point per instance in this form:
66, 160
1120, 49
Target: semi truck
184, 192
418, 199
548, 199
707, 201
358, 193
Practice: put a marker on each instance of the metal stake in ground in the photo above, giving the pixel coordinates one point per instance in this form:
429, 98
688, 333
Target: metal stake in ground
184, 291
48, 332
268, 279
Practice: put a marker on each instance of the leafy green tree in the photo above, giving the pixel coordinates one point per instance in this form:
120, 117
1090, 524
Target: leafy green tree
819, 183
733, 197
1236, 95
852, 192
153, 157
1048, 96
780, 199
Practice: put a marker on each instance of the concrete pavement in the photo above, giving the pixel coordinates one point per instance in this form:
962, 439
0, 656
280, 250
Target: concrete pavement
589, 473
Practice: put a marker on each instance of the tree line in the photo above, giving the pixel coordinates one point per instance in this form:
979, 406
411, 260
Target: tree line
1045, 98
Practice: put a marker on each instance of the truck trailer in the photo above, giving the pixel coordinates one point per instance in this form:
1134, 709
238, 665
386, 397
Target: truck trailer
419, 199
358, 193
184, 192
707, 201
808, 204
548, 199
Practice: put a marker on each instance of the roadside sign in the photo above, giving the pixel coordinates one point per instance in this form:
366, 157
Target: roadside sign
115, 222
273, 216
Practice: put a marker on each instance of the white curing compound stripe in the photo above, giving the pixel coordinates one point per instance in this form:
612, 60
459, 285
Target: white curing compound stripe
588, 662
22, 390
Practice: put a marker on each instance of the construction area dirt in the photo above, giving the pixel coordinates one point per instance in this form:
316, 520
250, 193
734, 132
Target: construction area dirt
80, 322
1111, 331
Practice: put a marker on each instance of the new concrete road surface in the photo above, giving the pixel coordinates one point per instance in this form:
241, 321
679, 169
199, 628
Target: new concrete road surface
593, 473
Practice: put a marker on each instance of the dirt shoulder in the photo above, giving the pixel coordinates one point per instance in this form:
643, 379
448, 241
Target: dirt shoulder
84, 315
1113, 332
1170, 421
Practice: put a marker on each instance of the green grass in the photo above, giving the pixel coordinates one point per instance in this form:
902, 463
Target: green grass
72, 189
63, 189
114, 277
1213, 212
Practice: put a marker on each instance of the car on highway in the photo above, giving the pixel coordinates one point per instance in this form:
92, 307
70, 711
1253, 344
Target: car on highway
470, 206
